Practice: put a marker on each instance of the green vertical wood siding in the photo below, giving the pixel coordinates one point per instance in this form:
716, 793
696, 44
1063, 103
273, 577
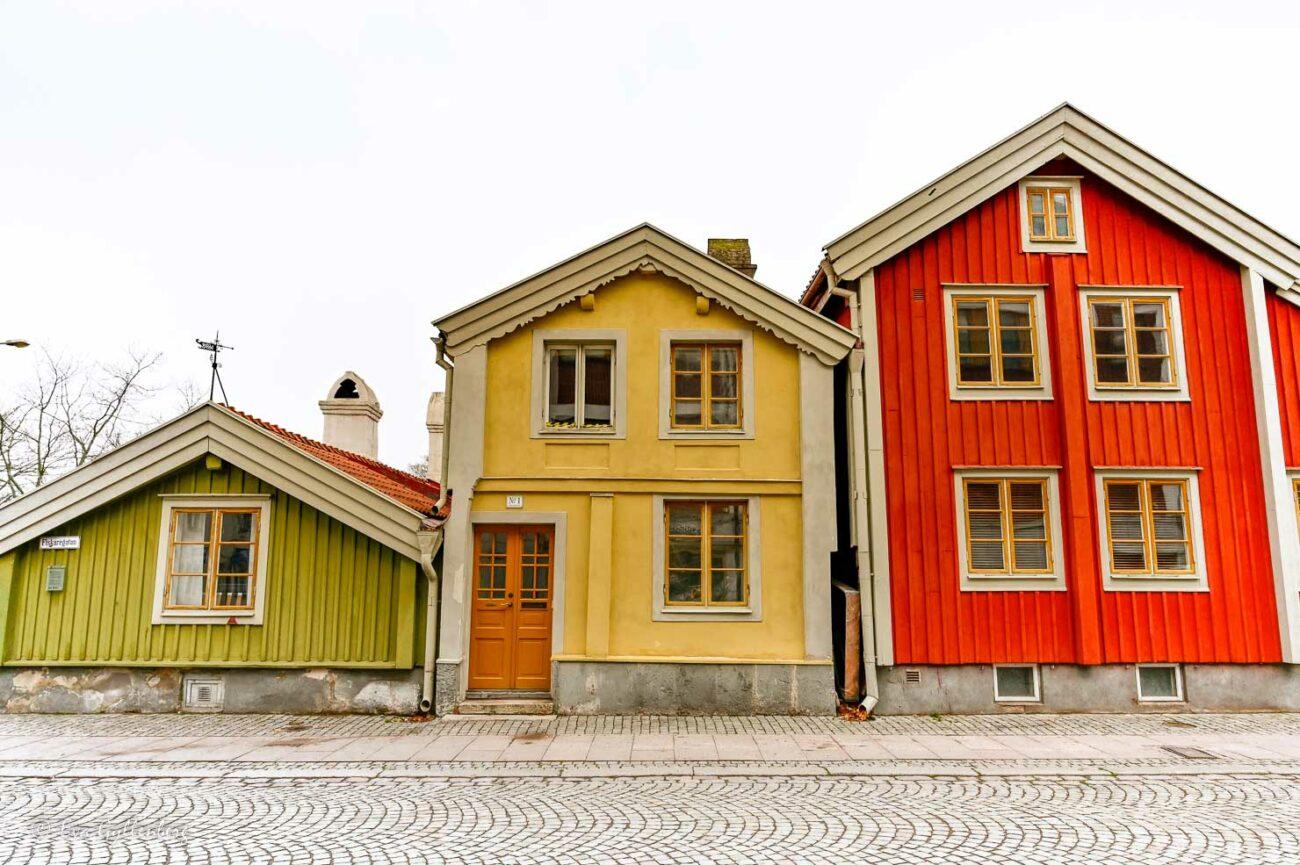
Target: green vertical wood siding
335, 597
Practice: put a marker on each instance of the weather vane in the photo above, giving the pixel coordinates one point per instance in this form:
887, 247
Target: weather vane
214, 347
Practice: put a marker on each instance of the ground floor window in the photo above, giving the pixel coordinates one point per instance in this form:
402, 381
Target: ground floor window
706, 558
212, 557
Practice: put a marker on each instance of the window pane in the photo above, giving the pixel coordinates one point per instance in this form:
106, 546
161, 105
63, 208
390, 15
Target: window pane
1112, 370
1109, 342
972, 313
1126, 527
972, 341
727, 587
1015, 369
985, 526
1152, 342
1029, 526
1017, 341
235, 559
724, 413
1037, 226
1107, 315
1129, 557
1037, 203
727, 553
1172, 557
1026, 496
1031, 555
190, 559
684, 519
1062, 226
688, 385
1155, 370
986, 556
1148, 315
563, 386
187, 591
1124, 496
193, 526
684, 553
686, 413
233, 592
684, 587
1060, 203
1170, 527
1013, 313
976, 369
238, 527
598, 386
727, 519
1167, 497
724, 359
983, 496
723, 385
688, 358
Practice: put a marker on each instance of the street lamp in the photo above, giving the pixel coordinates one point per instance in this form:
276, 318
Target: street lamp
16, 343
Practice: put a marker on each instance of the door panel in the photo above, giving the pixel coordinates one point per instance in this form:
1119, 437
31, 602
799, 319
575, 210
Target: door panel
510, 625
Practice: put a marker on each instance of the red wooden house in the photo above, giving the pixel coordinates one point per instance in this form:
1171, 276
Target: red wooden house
1073, 439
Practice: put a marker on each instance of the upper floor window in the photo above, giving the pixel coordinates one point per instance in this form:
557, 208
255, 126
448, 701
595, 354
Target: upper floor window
997, 349
579, 384
1051, 215
1151, 529
1010, 528
212, 561
706, 385
1132, 339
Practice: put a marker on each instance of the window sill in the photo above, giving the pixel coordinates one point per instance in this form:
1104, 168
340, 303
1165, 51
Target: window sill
1176, 394
1149, 583
721, 435
1003, 394
577, 435
1004, 583
706, 614
207, 617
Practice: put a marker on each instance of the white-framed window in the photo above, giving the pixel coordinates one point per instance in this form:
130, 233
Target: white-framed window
707, 558
997, 342
1016, 683
579, 385
706, 384
1009, 529
212, 559
1051, 214
1160, 683
1133, 344
1150, 530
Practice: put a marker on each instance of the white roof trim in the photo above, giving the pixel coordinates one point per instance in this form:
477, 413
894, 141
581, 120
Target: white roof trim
212, 429
644, 248
1069, 132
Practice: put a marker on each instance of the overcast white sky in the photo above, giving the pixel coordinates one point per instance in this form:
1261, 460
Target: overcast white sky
320, 180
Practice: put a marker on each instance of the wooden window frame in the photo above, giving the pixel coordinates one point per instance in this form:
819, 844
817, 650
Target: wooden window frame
1133, 390
1050, 240
539, 388
706, 537
210, 612
1049, 213
706, 373
1193, 578
1007, 513
993, 309
1147, 513
1010, 577
1000, 389
580, 348
1131, 355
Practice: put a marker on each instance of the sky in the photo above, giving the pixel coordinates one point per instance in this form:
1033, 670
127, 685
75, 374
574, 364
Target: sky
319, 181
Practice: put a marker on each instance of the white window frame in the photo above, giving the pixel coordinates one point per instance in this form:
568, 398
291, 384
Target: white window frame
665, 612
1037, 293
976, 582
1177, 392
1178, 683
1037, 696
581, 336
1070, 182
746, 340
164, 616
1197, 581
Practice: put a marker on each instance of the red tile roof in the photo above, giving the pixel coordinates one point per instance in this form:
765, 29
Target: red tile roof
417, 493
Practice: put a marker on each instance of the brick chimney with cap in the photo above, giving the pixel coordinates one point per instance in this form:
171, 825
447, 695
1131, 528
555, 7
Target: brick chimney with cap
352, 416
733, 252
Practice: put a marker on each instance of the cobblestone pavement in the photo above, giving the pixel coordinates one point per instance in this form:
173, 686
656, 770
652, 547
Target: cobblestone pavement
1206, 818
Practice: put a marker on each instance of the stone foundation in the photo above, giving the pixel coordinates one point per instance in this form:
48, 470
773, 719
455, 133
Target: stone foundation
614, 688
79, 690
968, 689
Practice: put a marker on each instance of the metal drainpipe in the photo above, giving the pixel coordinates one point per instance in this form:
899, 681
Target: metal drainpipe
430, 542
861, 523
440, 342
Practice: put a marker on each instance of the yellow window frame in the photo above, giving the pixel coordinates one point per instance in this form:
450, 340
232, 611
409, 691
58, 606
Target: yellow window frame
706, 399
706, 537
1131, 354
993, 314
214, 544
1050, 214
1007, 513
1148, 514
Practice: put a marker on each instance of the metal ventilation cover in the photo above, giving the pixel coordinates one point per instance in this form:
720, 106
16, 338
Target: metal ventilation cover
204, 695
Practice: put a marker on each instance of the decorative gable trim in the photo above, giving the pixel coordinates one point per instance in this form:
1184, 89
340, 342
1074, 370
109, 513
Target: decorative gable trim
644, 249
1068, 132
211, 429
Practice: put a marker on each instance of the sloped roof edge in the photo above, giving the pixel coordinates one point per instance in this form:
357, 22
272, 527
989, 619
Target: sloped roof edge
644, 247
1067, 131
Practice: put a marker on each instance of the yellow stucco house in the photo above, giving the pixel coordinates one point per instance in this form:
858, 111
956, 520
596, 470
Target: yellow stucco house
641, 461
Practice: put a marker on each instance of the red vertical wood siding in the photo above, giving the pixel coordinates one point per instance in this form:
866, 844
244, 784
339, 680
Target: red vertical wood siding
1284, 325
927, 434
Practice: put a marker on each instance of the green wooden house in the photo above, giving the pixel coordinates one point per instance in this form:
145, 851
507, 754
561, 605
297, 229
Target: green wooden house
220, 563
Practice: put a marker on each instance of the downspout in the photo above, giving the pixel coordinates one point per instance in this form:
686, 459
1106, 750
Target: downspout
440, 342
430, 542
861, 523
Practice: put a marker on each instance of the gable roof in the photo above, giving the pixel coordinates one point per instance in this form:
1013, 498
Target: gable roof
644, 248
1067, 131
381, 502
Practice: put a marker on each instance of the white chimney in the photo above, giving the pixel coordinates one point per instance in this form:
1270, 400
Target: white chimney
352, 416
433, 423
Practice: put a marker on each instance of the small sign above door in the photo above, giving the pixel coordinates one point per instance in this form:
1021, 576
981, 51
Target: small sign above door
514, 501
68, 542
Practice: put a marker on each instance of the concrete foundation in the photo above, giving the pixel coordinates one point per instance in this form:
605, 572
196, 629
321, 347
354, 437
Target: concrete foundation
81, 690
611, 688
446, 686
968, 689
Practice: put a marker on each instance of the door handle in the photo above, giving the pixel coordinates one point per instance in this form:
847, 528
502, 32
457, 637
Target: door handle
499, 606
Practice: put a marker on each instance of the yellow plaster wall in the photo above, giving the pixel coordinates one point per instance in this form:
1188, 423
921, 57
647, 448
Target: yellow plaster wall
642, 465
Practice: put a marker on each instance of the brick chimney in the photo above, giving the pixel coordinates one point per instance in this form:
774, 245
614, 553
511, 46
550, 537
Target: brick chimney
733, 252
352, 416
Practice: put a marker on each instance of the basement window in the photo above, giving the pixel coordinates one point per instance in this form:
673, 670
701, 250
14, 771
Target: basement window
1159, 683
1016, 683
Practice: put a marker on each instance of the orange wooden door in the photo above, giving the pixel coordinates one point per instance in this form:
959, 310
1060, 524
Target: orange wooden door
510, 625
